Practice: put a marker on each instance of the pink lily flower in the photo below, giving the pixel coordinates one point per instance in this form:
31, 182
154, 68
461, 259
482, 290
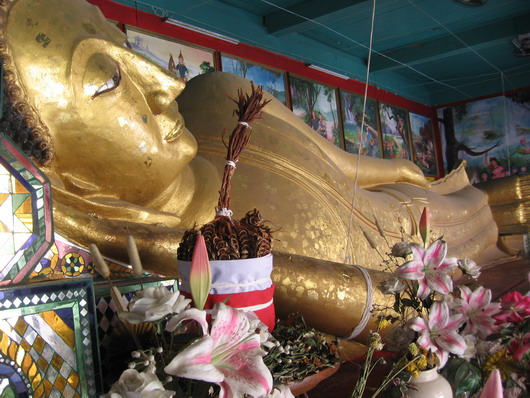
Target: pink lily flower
440, 333
515, 307
229, 356
430, 268
478, 311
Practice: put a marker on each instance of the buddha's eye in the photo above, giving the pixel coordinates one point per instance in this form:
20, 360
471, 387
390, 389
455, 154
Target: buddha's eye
110, 84
102, 74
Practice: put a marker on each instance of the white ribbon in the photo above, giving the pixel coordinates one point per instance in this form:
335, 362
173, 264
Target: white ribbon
367, 307
225, 212
245, 124
231, 163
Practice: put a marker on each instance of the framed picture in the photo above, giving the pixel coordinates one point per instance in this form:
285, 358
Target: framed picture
369, 141
493, 133
423, 144
316, 105
182, 60
271, 80
395, 131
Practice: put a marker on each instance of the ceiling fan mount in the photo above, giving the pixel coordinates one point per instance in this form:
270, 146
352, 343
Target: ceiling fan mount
522, 45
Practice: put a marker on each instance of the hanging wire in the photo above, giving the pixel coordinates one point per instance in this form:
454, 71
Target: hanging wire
368, 280
506, 125
361, 134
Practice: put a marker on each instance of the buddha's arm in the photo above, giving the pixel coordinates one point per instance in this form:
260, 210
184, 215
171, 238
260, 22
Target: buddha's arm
157, 244
331, 296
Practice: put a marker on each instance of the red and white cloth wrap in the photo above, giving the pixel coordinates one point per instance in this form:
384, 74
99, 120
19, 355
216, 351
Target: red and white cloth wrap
245, 283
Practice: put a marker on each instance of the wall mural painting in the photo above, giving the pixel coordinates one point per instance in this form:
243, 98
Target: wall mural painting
316, 105
352, 110
183, 61
395, 132
271, 80
492, 135
423, 144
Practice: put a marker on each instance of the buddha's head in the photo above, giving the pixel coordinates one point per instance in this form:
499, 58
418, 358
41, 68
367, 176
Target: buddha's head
107, 115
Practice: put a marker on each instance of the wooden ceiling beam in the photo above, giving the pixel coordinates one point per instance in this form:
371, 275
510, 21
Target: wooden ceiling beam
282, 22
416, 53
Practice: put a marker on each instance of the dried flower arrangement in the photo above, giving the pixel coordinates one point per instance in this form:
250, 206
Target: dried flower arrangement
228, 239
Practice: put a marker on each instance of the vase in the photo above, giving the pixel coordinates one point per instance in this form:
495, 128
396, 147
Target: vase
429, 384
242, 284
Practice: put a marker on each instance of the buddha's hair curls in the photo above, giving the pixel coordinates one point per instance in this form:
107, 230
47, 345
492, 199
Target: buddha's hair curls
20, 120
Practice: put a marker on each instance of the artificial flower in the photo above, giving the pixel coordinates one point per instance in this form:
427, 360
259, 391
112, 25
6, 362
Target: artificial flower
515, 307
398, 339
401, 249
499, 360
477, 309
229, 356
392, 286
440, 333
430, 268
471, 348
469, 267
134, 384
493, 386
152, 304
519, 346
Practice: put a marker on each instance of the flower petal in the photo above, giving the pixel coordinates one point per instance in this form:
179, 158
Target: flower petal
451, 341
439, 315
480, 298
443, 356
194, 362
418, 324
247, 374
448, 264
192, 314
417, 251
229, 326
439, 282
435, 253
423, 289
412, 270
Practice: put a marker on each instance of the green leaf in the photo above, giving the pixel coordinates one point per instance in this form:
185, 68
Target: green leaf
462, 372
472, 384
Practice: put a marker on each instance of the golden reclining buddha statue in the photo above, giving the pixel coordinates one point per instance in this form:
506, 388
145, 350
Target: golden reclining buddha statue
121, 161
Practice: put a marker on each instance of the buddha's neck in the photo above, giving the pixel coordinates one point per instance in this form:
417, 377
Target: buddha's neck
193, 196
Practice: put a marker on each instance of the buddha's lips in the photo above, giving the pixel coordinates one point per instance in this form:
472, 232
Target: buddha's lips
175, 132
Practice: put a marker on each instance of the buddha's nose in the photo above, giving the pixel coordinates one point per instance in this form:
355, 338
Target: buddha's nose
165, 94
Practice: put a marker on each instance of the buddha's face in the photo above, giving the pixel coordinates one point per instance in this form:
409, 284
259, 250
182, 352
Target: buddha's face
112, 115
